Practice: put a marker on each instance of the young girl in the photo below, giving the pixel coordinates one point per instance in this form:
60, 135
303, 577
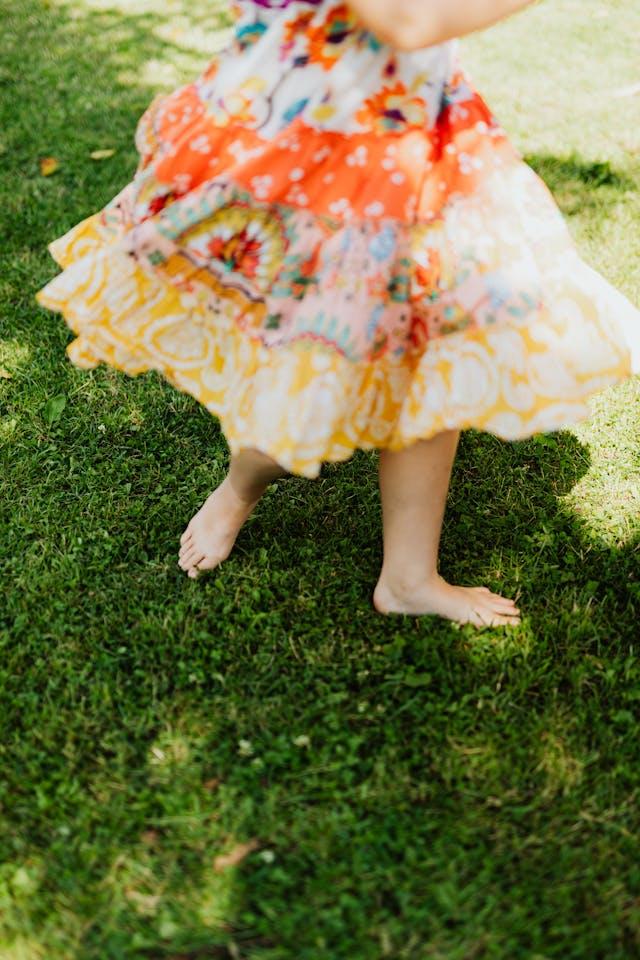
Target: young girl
331, 244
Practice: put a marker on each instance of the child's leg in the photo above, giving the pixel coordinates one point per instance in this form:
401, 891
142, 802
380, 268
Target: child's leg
413, 488
212, 532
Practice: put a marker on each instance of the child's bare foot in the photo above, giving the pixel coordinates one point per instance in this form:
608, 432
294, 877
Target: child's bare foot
476, 605
212, 531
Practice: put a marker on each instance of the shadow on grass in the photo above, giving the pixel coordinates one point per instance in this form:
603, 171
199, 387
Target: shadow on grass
414, 789
578, 185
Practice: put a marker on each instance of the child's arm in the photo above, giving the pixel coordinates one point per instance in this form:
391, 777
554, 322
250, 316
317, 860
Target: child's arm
413, 24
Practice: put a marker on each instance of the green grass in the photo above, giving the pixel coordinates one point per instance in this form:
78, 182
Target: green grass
460, 796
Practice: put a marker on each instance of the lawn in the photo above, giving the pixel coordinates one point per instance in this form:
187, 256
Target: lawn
390, 787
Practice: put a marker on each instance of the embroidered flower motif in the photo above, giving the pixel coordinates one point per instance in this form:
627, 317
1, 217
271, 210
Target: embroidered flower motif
240, 252
328, 40
393, 110
295, 31
240, 239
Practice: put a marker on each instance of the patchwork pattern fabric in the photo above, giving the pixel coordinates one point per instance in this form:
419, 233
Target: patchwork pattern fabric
333, 245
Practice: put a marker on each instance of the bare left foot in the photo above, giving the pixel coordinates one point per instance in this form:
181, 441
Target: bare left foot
476, 605
212, 531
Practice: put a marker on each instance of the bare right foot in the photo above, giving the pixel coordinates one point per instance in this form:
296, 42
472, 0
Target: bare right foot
475, 605
211, 533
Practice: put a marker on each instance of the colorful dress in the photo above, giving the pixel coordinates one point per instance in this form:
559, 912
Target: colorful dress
332, 245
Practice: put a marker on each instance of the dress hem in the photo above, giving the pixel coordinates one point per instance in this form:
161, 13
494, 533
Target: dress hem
304, 406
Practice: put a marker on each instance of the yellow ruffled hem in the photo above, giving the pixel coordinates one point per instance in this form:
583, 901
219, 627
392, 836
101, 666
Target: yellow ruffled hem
304, 404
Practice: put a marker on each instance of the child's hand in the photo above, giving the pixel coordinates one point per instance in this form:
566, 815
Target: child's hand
413, 24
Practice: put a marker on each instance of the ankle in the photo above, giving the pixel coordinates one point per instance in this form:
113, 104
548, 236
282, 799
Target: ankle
250, 473
404, 582
248, 495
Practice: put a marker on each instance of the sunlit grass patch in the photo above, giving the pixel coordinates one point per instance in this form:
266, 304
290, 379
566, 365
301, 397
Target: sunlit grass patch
561, 768
193, 31
607, 498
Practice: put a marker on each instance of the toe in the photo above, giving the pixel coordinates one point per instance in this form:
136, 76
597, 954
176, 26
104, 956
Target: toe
194, 565
502, 605
209, 562
494, 601
188, 557
197, 567
186, 535
505, 621
186, 547
494, 616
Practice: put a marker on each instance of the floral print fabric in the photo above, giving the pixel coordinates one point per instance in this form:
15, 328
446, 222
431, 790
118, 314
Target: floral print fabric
333, 245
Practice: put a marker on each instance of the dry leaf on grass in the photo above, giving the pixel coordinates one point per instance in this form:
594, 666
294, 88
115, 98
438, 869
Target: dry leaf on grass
212, 784
236, 855
101, 154
5, 375
48, 165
